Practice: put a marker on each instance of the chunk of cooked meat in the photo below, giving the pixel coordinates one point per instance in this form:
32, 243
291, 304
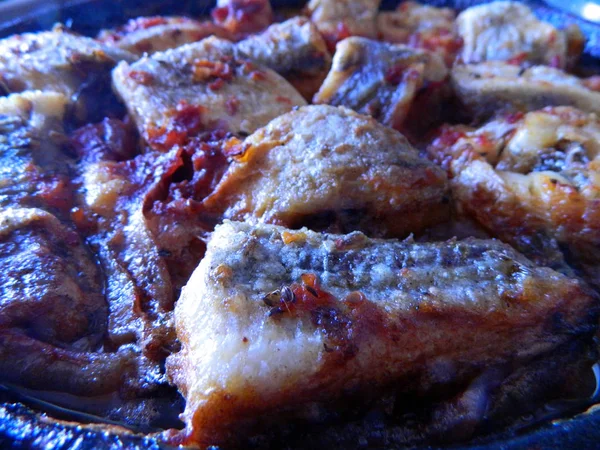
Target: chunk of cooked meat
139, 289
422, 26
322, 160
495, 87
49, 280
34, 168
338, 19
294, 49
379, 79
52, 311
143, 217
526, 175
158, 33
180, 93
30, 363
63, 62
243, 16
277, 323
509, 31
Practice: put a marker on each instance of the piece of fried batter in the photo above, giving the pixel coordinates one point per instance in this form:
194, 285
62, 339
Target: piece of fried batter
329, 164
338, 19
276, 324
63, 62
525, 175
159, 33
509, 31
379, 79
496, 87
180, 93
422, 26
294, 49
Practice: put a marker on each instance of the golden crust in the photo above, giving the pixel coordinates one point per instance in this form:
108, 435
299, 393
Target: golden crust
276, 323
321, 159
526, 174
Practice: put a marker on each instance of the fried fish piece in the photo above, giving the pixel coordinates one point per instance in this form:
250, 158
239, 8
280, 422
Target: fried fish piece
52, 311
509, 31
379, 79
49, 270
323, 160
493, 87
34, 168
159, 33
277, 324
422, 26
338, 19
294, 49
60, 61
179, 93
525, 175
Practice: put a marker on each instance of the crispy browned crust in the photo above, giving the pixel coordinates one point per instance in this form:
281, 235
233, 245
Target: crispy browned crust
379, 79
528, 199
369, 344
346, 164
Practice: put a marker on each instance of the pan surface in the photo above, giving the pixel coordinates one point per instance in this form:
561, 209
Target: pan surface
23, 425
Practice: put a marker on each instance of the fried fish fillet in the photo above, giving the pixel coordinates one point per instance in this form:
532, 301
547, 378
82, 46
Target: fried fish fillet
34, 169
199, 87
294, 49
509, 31
322, 160
379, 79
49, 270
158, 33
338, 19
52, 311
276, 324
493, 87
525, 175
60, 61
422, 26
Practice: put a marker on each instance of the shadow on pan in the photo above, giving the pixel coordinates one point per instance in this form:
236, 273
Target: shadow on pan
22, 425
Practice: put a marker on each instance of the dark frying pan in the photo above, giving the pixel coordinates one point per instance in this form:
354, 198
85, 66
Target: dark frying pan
26, 424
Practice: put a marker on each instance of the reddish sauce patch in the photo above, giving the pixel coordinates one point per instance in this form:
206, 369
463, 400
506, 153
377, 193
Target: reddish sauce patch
448, 136
141, 77
331, 39
109, 140
514, 117
244, 16
205, 71
232, 105
519, 59
185, 121
143, 23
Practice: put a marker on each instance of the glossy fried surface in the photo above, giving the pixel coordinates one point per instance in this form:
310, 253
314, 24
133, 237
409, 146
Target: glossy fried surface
494, 87
60, 61
275, 323
510, 31
524, 175
35, 169
379, 79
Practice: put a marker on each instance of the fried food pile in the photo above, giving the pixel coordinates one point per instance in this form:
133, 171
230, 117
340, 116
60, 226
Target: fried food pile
336, 228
